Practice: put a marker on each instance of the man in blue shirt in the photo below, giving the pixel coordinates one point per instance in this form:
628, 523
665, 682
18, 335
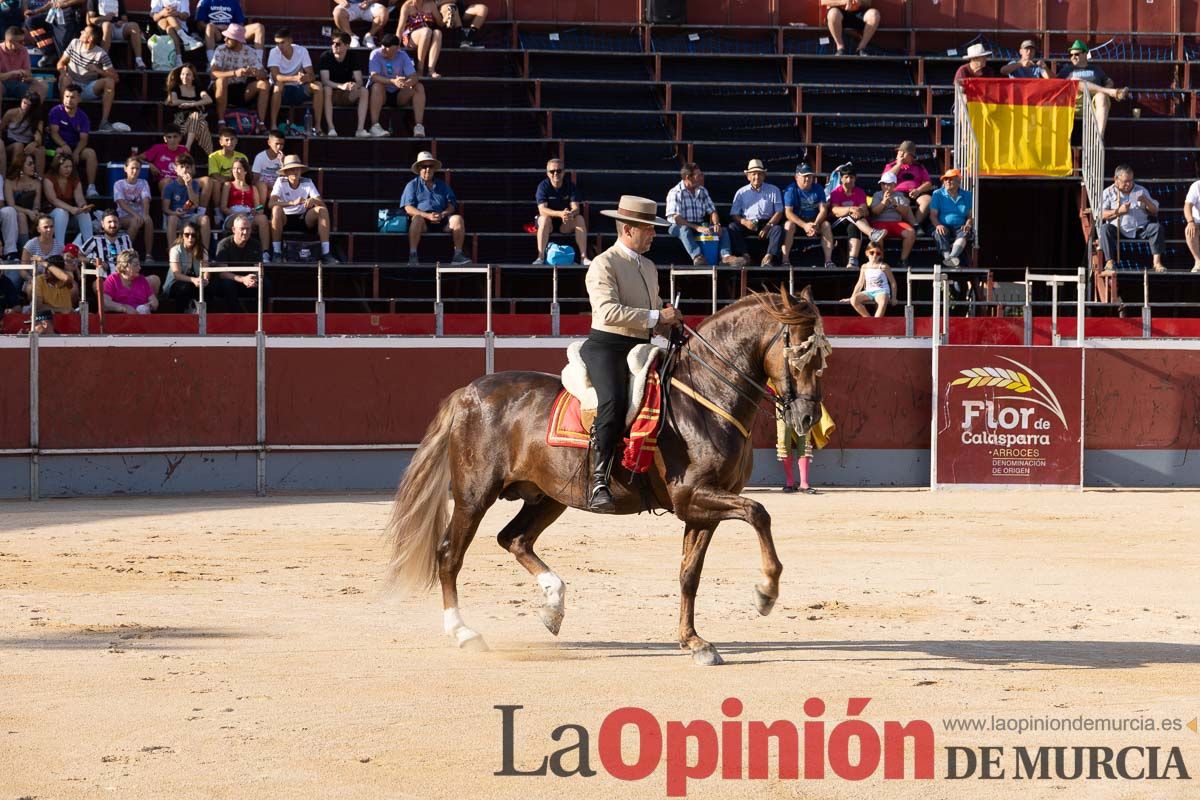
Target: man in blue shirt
1028, 65
950, 215
432, 206
807, 211
755, 215
394, 82
558, 199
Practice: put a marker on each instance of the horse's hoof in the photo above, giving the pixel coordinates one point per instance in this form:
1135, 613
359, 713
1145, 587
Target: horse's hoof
707, 656
762, 602
551, 617
475, 643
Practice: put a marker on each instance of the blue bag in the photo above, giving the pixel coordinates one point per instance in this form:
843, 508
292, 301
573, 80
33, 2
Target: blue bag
392, 221
559, 255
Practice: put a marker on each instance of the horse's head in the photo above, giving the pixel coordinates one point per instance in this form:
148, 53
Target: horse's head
797, 357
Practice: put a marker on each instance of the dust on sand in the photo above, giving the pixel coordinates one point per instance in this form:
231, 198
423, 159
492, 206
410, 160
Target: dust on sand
234, 647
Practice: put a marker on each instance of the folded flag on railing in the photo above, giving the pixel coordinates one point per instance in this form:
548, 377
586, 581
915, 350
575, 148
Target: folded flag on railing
1023, 126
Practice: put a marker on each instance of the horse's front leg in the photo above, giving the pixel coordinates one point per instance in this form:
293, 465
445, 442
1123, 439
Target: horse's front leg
695, 543
707, 503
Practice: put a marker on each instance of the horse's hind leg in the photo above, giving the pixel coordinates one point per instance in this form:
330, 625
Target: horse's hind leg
459, 533
696, 537
518, 537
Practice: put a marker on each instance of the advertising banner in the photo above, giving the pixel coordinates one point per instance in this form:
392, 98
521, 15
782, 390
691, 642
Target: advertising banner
1009, 416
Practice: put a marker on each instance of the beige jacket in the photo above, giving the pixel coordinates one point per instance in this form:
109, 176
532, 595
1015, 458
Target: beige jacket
622, 295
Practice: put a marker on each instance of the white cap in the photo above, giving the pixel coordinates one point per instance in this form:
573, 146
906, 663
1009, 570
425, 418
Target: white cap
887, 177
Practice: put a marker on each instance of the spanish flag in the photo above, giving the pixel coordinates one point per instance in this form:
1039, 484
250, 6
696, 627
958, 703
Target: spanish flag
1023, 125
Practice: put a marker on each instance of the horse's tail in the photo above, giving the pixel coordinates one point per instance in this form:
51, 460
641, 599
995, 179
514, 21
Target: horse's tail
421, 513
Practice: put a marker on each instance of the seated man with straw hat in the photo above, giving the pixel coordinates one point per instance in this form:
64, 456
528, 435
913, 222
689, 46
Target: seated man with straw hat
756, 214
622, 286
977, 65
432, 206
296, 206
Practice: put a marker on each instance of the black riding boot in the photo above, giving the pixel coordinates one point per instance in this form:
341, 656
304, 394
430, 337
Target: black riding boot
600, 498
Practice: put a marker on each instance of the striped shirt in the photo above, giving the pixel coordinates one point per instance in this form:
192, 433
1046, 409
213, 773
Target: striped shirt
84, 66
103, 249
695, 207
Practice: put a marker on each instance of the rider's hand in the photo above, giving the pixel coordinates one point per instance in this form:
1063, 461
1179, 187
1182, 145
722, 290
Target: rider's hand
670, 316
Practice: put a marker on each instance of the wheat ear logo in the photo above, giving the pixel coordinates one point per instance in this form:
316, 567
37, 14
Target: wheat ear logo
1035, 391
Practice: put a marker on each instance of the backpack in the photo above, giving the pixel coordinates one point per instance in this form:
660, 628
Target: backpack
560, 255
244, 123
163, 57
392, 221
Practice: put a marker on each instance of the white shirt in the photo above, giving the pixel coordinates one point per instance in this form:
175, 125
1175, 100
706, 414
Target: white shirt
284, 193
1193, 197
266, 167
289, 66
157, 6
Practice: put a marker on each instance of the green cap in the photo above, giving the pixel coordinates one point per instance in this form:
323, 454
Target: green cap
1079, 45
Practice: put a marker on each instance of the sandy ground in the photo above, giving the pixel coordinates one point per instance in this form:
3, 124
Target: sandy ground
235, 647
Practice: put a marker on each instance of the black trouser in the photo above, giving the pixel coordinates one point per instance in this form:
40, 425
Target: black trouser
605, 356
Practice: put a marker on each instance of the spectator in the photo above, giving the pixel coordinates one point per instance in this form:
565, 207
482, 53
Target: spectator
433, 207
113, 21
912, 179
1098, 83
417, 29
9, 225
1191, 214
689, 207
296, 206
875, 284
220, 163
70, 130
977, 65
64, 200
171, 18
103, 248
1028, 65
86, 65
267, 163
394, 82
292, 79
848, 204
468, 17
63, 18
347, 11
238, 75
557, 199
1126, 210
132, 196
807, 211
951, 217
42, 246
240, 197
891, 212
757, 209
56, 288
15, 69
191, 107
236, 290
214, 16
855, 14
187, 258
23, 193
162, 157
24, 130
181, 200
128, 291
342, 83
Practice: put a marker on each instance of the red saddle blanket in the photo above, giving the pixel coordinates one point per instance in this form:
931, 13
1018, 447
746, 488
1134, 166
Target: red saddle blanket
565, 428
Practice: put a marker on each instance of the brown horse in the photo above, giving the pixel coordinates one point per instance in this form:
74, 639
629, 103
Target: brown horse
488, 442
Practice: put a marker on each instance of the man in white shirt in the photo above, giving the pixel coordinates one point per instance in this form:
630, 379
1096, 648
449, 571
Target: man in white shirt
85, 64
292, 79
297, 207
1191, 214
265, 168
1126, 209
171, 17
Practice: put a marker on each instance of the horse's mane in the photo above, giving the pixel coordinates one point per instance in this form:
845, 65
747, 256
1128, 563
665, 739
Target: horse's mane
784, 308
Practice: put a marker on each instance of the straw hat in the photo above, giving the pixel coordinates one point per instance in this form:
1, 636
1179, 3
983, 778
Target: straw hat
292, 162
636, 209
976, 51
423, 158
756, 165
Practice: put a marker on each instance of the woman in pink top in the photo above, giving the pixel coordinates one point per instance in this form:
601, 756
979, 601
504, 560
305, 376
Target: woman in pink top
912, 179
128, 291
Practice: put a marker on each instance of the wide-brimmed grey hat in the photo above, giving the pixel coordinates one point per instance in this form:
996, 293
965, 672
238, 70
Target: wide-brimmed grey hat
425, 157
636, 209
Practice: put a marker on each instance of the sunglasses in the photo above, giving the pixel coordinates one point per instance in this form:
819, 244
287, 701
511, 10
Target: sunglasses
189, 235
554, 172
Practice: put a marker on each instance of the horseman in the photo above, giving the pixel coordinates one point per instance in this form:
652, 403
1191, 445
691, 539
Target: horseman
622, 287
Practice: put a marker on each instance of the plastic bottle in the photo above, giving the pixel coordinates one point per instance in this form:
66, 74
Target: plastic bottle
308, 122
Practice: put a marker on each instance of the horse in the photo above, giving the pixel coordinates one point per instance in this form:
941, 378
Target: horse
487, 441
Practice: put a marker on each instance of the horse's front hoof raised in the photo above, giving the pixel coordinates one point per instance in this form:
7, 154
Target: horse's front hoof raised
762, 602
551, 617
707, 656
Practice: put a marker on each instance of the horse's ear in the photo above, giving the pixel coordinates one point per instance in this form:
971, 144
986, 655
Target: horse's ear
806, 294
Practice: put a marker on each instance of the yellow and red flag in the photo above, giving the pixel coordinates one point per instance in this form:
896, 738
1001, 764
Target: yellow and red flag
1023, 125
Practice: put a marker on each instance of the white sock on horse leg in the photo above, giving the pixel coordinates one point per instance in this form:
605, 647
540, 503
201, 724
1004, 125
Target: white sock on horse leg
553, 587
452, 623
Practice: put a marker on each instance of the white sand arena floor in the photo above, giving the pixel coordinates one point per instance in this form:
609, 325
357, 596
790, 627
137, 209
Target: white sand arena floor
240, 647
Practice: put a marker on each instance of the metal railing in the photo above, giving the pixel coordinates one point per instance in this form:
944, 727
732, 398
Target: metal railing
1092, 160
966, 154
